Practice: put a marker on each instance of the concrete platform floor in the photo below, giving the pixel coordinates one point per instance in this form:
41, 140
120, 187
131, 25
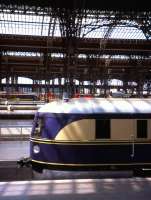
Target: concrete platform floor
79, 189
13, 150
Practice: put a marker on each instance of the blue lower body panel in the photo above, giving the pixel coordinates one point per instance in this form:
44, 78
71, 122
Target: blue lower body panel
86, 154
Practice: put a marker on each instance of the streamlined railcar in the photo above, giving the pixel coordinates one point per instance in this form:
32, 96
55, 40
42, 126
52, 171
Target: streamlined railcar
95, 133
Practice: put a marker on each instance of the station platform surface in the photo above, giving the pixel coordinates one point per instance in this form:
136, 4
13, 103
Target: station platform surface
78, 189
13, 150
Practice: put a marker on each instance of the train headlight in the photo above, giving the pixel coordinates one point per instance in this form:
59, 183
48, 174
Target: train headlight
36, 149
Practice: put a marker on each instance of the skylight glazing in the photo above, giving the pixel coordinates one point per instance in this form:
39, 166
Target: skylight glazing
20, 24
44, 25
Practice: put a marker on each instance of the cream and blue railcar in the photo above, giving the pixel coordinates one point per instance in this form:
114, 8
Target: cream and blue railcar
92, 133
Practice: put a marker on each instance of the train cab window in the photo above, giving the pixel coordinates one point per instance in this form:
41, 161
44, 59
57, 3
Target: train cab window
102, 129
38, 128
141, 128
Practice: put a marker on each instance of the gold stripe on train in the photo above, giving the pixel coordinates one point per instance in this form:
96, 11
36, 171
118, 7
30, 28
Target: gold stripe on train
78, 165
86, 142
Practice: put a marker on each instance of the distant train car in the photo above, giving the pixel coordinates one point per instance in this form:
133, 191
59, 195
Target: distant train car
104, 133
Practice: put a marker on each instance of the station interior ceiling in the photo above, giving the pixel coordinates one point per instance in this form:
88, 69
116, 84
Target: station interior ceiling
74, 41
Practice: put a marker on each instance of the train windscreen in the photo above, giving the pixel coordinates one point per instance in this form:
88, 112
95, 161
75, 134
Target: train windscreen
38, 127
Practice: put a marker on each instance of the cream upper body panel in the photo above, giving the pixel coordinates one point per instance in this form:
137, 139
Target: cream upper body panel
79, 130
85, 130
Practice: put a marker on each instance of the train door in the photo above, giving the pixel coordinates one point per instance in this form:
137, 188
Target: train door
140, 146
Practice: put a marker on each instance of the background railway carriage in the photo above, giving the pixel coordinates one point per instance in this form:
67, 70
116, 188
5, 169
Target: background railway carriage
92, 133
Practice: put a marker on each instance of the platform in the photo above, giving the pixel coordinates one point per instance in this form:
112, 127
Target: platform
79, 189
13, 150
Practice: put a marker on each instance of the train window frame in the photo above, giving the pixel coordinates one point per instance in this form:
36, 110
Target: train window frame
139, 132
98, 134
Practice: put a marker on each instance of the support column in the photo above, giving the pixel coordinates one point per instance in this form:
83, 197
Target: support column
16, 83
60, 88
140, 88
7, 84
1, 87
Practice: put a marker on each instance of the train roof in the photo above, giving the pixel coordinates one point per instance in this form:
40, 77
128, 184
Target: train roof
99, 106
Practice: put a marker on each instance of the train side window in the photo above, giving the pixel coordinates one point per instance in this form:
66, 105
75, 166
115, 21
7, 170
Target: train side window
141, 128
102, 129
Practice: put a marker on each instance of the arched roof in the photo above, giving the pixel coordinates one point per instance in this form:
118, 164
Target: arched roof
99, 106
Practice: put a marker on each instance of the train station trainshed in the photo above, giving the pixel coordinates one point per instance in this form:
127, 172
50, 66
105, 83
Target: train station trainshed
64, 49
81, 47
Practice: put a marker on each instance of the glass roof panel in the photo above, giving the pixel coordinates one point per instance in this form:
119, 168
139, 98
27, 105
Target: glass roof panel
127, 33
25, 24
